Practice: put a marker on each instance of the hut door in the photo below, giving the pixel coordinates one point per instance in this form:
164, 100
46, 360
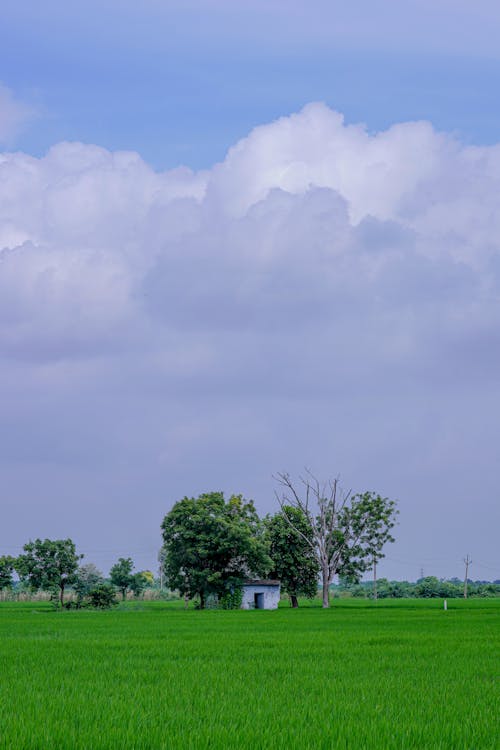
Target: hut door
259, 601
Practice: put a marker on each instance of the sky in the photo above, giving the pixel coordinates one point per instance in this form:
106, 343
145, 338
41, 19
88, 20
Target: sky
244, 238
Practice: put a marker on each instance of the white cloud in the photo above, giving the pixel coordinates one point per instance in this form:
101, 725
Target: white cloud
324, 292
303, 212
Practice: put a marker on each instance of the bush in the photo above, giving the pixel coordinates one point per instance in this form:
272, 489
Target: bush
102, 596
233, 599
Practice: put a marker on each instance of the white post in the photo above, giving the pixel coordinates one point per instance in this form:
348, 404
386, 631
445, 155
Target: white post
445, 604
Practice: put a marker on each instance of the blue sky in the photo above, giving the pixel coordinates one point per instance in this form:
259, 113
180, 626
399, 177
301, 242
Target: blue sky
181, 82
319, 284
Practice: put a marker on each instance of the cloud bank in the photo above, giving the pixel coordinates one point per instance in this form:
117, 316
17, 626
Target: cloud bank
325, 295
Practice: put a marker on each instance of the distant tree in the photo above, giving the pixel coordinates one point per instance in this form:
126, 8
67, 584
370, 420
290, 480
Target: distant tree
7, 564
211, 545
140, 581
87, 578
428, 587
49, 565
102, 596
339, 523
149, 577
294, 561
401, 590
121, 575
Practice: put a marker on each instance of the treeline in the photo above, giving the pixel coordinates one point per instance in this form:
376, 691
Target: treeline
425, 588
53, 566
211, 545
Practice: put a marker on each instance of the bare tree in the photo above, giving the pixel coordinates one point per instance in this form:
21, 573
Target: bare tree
322, 505
348, 532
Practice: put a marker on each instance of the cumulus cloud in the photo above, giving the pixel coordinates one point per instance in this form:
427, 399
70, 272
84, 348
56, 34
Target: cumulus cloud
321, 275
307, 221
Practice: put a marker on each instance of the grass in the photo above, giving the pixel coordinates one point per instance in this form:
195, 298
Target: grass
399, 674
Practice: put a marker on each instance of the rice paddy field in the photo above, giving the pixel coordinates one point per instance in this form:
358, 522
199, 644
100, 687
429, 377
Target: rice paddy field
398, 674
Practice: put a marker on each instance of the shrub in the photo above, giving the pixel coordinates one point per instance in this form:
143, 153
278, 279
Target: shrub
102, 596
233, 598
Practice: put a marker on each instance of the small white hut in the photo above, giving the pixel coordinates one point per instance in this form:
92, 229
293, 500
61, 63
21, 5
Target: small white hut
260, 594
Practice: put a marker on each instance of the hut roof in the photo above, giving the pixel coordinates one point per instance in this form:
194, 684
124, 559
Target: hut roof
262, 582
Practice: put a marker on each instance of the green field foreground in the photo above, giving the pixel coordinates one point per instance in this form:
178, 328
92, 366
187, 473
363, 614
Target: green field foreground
398, 674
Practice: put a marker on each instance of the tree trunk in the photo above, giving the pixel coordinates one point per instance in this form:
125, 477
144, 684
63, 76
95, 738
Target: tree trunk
61, 594
374, 579
326, 589
294, 601
202, 600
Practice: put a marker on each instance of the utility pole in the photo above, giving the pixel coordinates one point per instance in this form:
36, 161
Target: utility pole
161, 568
467, 561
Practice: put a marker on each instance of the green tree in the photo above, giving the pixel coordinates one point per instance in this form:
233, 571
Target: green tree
291, 549
139, 582
49, 565
428, 587
211, 545
87, 578
102, 596
121, 575
371, 518
7, 565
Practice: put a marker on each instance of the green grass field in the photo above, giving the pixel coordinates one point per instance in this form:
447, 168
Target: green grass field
399, 674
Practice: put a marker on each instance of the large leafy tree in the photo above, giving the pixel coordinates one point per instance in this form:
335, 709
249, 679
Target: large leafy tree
7, 564
50, 565
121, 575
211, 545
346, 529
376, 516
291, 549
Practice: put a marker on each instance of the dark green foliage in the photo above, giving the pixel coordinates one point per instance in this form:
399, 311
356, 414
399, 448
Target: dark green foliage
121, 575
7, 564
425, 588
231, 599
385, 589
364, 527
371, 517
431, 588
394, 589
291, 547
211, 545
102, 596
50, 565
138, 583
